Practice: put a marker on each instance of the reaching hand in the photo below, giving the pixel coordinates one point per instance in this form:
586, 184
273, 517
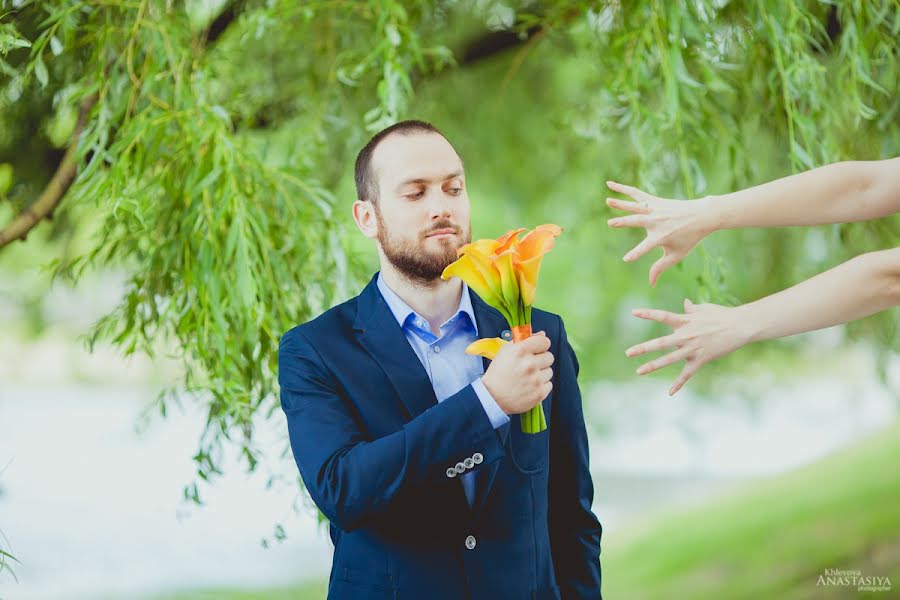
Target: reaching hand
704, 333
676, 226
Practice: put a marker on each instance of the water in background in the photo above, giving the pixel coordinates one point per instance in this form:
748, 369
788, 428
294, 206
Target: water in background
93, 507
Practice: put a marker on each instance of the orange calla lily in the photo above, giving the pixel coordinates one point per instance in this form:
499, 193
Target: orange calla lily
505, 264
483, 262
530, 253
510, 238
486, 347
467, 268
504, 273
486, 246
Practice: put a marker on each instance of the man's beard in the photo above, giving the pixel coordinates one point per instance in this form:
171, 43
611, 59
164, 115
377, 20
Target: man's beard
412, 260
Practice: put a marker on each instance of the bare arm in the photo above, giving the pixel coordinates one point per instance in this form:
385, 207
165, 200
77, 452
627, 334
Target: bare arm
836, 193
857, 288
862, 286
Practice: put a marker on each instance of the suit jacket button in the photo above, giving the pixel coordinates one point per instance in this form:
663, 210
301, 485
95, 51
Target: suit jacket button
470, 542
460, 467
506, 334
469, 463
477, 458
451, 472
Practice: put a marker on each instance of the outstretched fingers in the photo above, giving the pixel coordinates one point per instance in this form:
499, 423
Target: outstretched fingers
662, 316
660, 343
669, 258
633, 207
629, 221
628, 190
646, 245
686, 373
664, 361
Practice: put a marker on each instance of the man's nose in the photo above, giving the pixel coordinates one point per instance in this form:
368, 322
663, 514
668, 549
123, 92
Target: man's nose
439, 205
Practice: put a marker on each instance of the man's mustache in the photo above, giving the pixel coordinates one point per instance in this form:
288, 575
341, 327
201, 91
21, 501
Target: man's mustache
444, 225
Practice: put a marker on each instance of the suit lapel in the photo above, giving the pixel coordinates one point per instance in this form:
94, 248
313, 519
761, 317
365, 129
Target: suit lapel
382, 337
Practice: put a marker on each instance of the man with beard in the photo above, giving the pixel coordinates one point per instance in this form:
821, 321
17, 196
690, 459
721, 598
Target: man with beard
405, 442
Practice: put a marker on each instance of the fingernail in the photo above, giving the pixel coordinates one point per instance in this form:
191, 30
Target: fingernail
627, 257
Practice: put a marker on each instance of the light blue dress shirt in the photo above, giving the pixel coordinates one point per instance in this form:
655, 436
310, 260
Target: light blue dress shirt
448, 366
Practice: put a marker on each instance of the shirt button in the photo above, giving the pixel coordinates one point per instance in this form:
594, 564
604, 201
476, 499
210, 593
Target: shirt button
451, 472
469, 463
506, 334
437, 349
460, 467
470, 542
477, 458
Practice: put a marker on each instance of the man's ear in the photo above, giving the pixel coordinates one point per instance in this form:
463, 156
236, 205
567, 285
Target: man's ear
364, 216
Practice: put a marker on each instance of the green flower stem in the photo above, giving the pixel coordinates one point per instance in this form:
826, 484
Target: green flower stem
533, 420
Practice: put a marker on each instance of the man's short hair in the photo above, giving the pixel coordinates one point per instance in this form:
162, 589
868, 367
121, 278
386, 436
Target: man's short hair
366, 182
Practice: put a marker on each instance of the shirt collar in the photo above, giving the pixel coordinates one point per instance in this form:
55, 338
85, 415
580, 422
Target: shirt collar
402, 311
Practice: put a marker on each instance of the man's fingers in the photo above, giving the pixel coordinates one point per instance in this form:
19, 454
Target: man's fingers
663, 361
641, 249
548, 387
661, 316
634, 207
544, 360
659, 343
536, 344
545, 375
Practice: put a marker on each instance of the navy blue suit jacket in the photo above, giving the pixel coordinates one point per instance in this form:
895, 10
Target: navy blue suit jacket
374, 447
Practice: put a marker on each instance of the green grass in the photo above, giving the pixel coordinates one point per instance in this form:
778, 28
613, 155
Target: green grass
313, 590
769, 539
772, 539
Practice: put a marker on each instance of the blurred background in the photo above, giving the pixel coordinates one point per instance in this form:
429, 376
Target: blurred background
189, 165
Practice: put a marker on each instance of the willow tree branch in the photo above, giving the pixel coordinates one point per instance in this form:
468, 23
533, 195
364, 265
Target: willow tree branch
57, 187
481, 48
495, 42
228, 15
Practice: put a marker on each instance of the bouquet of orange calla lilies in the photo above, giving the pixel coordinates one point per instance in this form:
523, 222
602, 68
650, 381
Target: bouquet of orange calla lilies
504, 273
